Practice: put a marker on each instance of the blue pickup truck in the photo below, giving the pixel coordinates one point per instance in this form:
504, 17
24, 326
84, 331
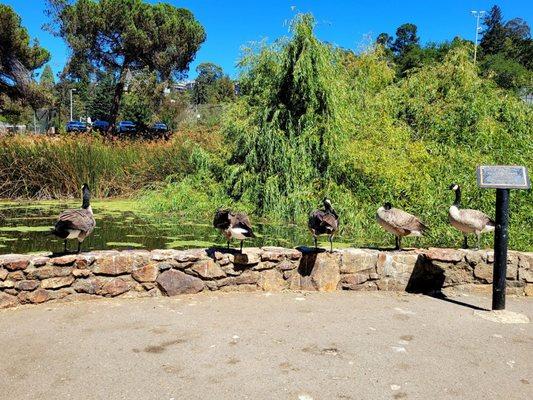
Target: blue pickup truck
126, 127
100, 125
76, 126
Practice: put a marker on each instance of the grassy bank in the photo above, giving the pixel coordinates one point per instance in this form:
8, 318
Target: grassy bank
56, 167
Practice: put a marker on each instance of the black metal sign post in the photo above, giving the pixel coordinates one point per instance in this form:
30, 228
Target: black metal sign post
502, 178
501, 236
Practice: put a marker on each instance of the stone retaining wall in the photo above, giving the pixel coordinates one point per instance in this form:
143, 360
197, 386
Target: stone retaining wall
135, 273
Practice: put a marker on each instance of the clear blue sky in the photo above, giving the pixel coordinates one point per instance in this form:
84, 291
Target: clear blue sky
230, 24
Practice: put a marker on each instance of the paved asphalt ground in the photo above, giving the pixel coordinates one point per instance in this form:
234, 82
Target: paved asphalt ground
266, 346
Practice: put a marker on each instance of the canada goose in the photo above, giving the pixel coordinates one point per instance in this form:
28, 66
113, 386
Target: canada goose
76, 224
324, 222
233, 225
468, 221
399, 223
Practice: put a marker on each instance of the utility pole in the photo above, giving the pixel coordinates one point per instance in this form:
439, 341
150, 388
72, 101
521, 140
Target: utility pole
71, 90
477, 15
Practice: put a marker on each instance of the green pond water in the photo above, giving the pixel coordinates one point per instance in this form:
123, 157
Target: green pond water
122, 224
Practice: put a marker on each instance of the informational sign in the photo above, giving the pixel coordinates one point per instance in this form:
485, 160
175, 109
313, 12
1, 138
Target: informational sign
503, 177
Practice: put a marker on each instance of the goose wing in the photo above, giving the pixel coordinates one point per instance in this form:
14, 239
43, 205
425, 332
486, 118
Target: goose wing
402, 220
475, 218
323, 222
241, 220
76, 219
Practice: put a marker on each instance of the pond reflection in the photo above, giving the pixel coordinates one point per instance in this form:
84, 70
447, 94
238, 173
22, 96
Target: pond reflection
24, 228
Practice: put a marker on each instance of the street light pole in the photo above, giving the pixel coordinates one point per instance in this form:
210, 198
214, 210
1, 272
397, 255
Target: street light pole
477, 15
71, 90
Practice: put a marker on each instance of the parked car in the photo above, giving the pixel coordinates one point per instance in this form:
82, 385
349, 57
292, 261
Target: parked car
100, 125
159, 127
126, 127
76, 126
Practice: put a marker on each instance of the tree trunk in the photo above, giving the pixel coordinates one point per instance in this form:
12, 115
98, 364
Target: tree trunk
117, 97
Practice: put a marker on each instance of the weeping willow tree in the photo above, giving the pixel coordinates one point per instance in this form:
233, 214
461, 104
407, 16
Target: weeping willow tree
286, 125
315, 120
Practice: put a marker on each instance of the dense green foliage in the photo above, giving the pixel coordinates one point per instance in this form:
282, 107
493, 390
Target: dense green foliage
211, 85
507, 51
314, 120
18, 59
127, 35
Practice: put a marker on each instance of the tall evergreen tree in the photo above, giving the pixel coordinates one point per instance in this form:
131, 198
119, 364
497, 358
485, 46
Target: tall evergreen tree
126, 35
18, 59
47, 77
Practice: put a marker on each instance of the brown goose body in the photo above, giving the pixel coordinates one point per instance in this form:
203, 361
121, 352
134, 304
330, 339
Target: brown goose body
399, 223
76, 224
233, 225
324, 222
467, 220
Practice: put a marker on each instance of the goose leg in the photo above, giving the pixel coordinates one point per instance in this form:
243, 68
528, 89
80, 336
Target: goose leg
228, 244
478, 240
331, 243
79, 247
465, 242
241, 245
316, 244
399, 242
65, 246
396, 243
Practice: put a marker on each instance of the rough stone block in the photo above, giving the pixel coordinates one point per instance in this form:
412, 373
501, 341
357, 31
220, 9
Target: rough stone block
14, 262
35, 297
16, 276
351, 281
117, 264
115, 286
48, 272
263, 265
84, 261
90, 286
28, 285
286, 265
483, 272
7, 284
81, 273
325, 274
175, 282
3, 274
64, 260
39, 261
357, 260
272, 281
7, 300
445, 255
147, 273
208, 269
56, 283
